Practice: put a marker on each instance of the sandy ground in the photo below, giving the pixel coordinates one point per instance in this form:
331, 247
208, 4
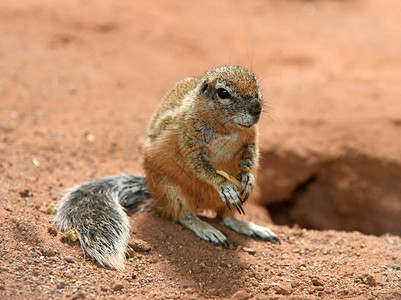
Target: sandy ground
78, 82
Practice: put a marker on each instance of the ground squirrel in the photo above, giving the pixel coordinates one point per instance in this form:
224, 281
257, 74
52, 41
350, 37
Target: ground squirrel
202, 125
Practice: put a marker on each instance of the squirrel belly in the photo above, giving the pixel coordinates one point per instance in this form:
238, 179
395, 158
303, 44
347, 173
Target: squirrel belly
95, 210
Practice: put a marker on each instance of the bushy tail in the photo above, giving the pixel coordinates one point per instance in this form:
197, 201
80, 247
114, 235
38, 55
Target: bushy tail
95, 210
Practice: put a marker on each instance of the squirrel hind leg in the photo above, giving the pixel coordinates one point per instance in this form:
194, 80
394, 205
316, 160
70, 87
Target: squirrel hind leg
250, 229
202, 229
100, 223
172, 203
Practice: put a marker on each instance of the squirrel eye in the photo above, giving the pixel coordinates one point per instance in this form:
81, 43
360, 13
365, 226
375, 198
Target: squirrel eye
223, 93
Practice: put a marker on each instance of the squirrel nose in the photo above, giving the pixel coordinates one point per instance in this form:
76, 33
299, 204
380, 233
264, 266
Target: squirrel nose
255, 109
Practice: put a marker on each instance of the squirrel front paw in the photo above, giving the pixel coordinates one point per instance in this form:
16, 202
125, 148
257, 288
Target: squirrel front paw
247, 184
229, 194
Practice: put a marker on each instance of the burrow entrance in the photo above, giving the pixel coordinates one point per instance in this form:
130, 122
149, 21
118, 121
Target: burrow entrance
353, 192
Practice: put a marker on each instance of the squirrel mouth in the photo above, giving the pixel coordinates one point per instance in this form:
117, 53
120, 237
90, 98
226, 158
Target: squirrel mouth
245, 125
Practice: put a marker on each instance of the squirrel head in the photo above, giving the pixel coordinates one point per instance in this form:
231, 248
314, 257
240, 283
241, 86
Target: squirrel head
229, 97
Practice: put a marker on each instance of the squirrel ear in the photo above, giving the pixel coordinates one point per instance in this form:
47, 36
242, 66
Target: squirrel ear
204, 87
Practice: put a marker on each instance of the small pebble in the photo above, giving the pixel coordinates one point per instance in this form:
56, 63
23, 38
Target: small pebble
249, 250
52, 231
117, 286
316, 282
48, 252
4, 269
396, 267
368, 280
80, 295
282, 290
89, 137
140, 246
25, 193
69, 259
241, 295
61, 284
35, 162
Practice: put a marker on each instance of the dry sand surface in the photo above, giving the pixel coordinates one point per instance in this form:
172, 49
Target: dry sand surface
79, 81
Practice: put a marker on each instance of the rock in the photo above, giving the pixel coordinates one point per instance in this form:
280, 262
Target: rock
69, 273
316, 282
140, 246
368, 280
249, 250
282, 289
396, 267
25, 193
80, 295
48, 252
69, 259
52, 231
258, 276
244, 265
117, 286
241, 295
319, 289
61, 284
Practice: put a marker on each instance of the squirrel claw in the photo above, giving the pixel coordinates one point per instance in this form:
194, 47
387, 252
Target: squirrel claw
225, 243
229, 194
274, 239
237, 207
246, 197
240, 208
247, 185
226, 203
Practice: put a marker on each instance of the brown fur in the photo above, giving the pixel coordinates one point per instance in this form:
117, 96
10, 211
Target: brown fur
189, 139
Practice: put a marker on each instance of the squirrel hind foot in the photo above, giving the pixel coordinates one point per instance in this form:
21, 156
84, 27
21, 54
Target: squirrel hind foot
204, 230
250, 229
